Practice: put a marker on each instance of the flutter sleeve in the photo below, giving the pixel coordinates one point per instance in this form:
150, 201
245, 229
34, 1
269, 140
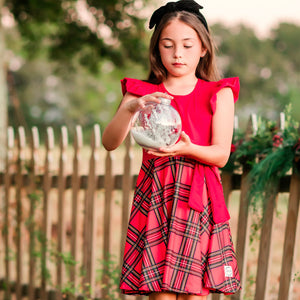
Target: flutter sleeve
137, 87
232, 83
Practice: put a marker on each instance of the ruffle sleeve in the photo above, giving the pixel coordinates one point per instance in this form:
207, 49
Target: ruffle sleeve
137, 87
232, 83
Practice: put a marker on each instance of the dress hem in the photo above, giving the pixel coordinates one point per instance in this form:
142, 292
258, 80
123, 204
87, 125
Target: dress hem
131, 292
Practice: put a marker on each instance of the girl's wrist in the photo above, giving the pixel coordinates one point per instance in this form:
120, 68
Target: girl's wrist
191, 150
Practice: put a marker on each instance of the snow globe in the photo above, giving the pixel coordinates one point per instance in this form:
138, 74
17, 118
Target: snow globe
156, 125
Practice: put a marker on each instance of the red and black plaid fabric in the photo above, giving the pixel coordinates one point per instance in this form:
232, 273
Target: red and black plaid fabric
171, 247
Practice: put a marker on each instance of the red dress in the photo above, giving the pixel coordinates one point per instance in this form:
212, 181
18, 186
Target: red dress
178, 237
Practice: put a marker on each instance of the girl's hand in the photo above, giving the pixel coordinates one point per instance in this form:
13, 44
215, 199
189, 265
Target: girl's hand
180, 148
135, 104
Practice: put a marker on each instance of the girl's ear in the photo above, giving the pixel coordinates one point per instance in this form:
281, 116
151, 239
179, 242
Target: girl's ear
203, 52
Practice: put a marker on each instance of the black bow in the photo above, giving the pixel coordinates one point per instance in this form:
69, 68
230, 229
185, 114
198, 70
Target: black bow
182, 5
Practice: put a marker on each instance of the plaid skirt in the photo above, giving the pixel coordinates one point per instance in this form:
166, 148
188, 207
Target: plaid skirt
171, 247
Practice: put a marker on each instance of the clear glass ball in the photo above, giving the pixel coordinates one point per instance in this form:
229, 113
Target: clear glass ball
156, 125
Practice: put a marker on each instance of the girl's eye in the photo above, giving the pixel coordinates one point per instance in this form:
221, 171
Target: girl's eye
188, 46
167, 46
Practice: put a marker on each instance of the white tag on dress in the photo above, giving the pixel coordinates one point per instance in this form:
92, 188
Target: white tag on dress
228, 271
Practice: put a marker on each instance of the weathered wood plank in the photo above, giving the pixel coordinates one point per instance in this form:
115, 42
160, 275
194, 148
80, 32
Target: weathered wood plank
264, 257
290, 239
61, 210
243, 233
90, 222
77, 160
19, 208
227, 185
243, 218
33, 198
46, 226
109, 181
7, 230
118, 181
126, 192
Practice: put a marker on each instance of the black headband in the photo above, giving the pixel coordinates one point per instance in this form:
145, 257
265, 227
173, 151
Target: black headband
182, 5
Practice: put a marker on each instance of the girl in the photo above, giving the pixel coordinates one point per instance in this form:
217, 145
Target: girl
178, 242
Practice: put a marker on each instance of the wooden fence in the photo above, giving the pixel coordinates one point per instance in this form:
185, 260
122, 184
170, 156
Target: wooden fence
64, 214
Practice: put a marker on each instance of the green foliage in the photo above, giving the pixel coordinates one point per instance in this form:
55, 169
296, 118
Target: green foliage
266, 174
109, 272
286, 41
296, 276
68, 30
269, 153
258, 143
267, 73
66, 70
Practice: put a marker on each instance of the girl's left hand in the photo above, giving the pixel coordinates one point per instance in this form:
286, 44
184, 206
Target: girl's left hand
180, 148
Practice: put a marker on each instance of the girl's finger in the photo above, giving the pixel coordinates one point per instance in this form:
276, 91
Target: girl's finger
162, 95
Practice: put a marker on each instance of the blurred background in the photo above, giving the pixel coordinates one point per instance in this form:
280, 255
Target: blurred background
62, 61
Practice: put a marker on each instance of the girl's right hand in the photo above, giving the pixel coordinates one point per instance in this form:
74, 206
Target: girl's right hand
118, 128
134, 104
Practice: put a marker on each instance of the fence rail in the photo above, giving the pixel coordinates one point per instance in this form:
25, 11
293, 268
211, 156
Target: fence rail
60, 227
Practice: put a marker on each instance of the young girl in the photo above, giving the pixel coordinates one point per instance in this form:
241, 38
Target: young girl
179, 242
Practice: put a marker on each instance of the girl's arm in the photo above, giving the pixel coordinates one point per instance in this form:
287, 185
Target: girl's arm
118, 128
218, 152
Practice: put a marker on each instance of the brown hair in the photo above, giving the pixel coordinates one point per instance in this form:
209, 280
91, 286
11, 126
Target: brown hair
206, 68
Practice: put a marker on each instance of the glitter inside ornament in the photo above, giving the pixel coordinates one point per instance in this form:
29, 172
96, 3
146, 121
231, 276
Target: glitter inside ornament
156, 125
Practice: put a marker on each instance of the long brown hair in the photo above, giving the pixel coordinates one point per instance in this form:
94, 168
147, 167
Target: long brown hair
206, 69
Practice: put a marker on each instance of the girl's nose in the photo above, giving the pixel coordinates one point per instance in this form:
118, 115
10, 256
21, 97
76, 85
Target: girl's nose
177, 52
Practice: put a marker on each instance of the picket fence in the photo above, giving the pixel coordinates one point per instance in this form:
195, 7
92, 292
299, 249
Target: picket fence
57, 220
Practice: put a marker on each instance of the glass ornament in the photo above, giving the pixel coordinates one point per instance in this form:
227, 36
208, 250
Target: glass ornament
156, 125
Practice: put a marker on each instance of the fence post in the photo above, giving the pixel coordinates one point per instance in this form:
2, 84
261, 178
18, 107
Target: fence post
243, 220
89, 219
20, 222
290, 240
75, 213
33, 198
46, 226
7, 223
61, 209
126, 188
264, 258
109, 183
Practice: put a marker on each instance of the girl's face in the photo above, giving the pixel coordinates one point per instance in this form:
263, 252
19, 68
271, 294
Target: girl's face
180, 49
